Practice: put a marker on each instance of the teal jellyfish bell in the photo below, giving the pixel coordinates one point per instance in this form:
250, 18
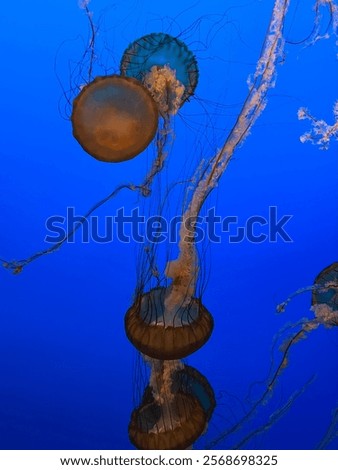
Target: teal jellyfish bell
161, 50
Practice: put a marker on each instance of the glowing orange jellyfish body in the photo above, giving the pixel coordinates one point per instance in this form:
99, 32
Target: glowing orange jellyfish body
152, 334
114, 118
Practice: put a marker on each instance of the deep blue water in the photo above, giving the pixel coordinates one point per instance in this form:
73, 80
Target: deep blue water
68, 374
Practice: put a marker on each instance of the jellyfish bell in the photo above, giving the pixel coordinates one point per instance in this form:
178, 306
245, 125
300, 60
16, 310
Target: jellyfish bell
114, 118
325, 295
156, 335
190, 381
326, 287
176, 421
143, 424
166, 66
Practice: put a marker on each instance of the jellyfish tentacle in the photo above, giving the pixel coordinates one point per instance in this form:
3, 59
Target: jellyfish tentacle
144, 189
163, 141
282, 306
324, 303
83, 5
16, 266
266, 393
276, 415
331, 433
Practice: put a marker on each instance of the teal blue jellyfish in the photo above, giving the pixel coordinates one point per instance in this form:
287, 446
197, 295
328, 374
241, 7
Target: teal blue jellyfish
325, 295
161, 50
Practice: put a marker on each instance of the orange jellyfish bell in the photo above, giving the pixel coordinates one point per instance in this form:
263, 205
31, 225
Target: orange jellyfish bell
114, 118
146, 433
153, 335
179, 422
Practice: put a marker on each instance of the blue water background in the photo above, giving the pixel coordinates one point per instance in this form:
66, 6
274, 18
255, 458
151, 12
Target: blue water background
68, 374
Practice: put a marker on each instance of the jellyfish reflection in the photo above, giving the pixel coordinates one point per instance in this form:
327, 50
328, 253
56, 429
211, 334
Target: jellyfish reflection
175, 408
325, 306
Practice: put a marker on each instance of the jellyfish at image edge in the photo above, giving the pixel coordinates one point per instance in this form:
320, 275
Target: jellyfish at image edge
324, 304
325, 296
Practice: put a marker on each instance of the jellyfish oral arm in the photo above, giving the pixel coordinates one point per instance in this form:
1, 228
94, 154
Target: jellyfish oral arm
184, 269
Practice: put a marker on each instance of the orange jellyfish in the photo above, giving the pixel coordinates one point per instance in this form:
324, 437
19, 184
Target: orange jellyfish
114, 118
157, 334
175, 408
